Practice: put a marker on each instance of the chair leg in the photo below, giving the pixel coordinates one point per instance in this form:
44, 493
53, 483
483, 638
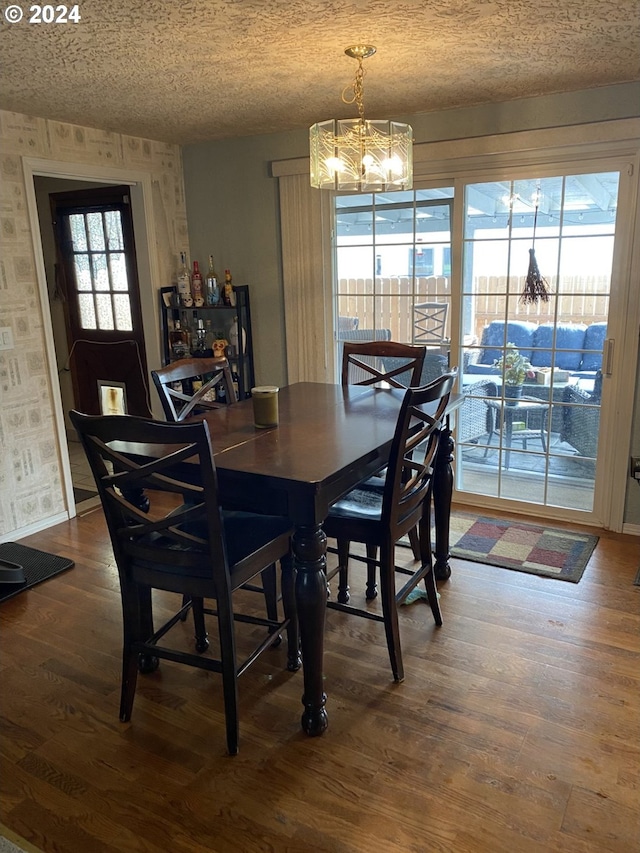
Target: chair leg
343, 573
146, 663
270, 591
288, 576
372, 585
229, 676
390, 610
270, 587
185, 601
414, 541
202, 639
426, 559
131, 634
432, 596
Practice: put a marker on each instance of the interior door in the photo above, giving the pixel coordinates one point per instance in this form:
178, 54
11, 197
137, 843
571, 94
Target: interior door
96, 277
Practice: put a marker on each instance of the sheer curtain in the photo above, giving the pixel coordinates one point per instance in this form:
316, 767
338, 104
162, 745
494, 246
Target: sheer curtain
306, 267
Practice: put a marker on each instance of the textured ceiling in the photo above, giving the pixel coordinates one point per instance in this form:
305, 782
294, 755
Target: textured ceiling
210, 69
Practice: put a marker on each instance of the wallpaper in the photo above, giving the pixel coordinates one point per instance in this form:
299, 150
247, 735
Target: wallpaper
31, 483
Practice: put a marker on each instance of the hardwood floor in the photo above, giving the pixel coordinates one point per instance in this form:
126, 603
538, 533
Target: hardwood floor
517, 728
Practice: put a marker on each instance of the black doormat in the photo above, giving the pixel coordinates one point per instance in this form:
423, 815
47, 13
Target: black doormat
37, 566
80, 495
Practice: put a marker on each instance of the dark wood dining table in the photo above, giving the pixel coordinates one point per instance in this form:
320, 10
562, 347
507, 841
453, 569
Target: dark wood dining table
328, 439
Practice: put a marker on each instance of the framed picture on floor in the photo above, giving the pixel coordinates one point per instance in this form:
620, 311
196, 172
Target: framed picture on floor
113, 397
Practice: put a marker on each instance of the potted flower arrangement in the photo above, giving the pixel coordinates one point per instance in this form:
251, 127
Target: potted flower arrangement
515, 369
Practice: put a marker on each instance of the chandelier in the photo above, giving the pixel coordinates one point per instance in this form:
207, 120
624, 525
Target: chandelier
358, 154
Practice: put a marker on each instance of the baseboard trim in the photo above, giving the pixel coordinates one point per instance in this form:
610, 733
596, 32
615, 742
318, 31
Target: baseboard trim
14, 535
631, 529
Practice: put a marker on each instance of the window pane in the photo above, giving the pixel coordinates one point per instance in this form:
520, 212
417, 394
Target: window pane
96, 232
78, 233
118, 265
83, 273
587, 261
87, 311
354, 265
105, 311
394, 223
113, 227
590, 205
100, 272
433, 221
122, 307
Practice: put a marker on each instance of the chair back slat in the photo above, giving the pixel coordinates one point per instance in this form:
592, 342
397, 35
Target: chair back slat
409, 475
212, 373
174, 462
382, 363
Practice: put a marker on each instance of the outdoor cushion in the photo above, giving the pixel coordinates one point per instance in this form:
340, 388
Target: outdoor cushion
518, 333
569, 343
593, 340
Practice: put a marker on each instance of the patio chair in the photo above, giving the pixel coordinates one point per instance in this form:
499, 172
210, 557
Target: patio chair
430, 323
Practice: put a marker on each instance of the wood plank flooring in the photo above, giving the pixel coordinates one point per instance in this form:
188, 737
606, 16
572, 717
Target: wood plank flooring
517, 729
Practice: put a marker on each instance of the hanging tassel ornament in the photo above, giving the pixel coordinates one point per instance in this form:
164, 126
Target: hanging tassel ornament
536, 288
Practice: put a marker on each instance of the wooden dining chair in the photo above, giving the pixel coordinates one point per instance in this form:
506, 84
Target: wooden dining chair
381, 363
198, 381
189, 386
193, 547
380, 519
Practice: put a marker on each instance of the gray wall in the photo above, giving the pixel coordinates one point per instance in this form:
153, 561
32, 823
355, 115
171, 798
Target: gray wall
232, 202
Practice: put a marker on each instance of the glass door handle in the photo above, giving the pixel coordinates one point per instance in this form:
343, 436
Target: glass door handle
609, 349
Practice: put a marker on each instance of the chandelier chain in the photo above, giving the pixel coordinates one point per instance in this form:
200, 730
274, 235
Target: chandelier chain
358, 91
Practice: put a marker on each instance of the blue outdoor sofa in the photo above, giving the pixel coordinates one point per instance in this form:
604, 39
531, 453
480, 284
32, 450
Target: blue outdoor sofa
578, 347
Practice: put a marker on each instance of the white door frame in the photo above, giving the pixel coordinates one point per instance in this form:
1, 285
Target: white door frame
148, 272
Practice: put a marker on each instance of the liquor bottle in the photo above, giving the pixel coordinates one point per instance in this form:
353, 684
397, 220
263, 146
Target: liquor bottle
179, 341
210, 336
197, 290
212, 287
188, 321
184, 283
235, 337
228, 296
200, 342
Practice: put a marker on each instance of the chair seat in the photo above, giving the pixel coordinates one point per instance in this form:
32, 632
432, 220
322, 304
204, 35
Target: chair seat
361, 503
245, 535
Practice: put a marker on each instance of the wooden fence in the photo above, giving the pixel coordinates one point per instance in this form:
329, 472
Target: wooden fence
390, 305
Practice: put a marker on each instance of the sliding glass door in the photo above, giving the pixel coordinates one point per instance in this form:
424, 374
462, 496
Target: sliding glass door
532, 434
466, 248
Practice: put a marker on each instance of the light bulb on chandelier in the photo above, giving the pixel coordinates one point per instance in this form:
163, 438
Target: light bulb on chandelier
361, 155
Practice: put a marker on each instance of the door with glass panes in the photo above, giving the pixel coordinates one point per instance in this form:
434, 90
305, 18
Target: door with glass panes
97, 282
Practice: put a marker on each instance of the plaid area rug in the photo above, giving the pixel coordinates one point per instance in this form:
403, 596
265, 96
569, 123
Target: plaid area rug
531, 548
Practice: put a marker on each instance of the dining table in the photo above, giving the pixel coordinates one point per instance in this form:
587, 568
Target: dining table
329, 438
